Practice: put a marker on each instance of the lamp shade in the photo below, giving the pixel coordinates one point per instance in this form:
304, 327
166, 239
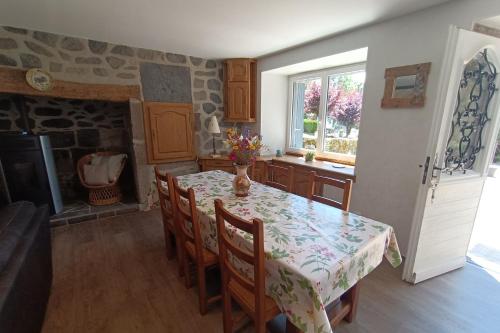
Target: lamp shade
213, 126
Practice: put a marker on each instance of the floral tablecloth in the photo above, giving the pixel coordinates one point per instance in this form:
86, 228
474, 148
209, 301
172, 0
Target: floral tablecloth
314, 252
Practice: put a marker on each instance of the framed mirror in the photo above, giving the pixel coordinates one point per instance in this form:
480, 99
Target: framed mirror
405, 86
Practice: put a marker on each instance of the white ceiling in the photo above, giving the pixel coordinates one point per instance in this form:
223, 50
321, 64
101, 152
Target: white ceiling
205, 28
335, 60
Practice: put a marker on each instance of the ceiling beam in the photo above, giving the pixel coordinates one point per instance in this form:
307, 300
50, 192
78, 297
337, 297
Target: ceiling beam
14, 81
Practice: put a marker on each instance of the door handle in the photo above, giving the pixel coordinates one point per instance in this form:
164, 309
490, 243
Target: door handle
434, 178
426, 169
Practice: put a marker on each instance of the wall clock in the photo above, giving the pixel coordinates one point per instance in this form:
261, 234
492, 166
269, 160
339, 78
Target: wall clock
39, 79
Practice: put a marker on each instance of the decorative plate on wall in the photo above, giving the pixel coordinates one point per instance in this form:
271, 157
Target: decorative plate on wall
39, 79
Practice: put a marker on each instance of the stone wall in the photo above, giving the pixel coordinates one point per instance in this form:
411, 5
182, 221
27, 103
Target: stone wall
9, 118
90, 61
75, 128
56, 114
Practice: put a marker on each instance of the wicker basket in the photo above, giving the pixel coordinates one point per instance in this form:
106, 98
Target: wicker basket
101, 195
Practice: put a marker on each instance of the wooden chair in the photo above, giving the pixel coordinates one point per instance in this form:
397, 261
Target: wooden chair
249, 294
316, 183
275, 172
167, 205
192, 249
167, 213
343, 308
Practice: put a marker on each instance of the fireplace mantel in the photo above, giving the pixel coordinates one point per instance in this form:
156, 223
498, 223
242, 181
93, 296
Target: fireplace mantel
14, 81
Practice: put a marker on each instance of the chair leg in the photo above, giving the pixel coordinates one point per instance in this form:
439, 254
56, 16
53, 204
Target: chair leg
179, 240
180, 257
291, 328
352, 298
169, 243
260, 327
187, 273
202, 289
227, 314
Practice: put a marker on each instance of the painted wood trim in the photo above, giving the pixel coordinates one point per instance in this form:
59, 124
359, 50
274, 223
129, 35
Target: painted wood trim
447, 226
435, 271
13, 81
442, 94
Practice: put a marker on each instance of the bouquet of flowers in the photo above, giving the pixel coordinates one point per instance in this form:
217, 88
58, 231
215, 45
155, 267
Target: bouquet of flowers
244, 147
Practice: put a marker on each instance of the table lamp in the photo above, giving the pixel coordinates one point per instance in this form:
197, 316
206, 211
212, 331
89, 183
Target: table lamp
213, 128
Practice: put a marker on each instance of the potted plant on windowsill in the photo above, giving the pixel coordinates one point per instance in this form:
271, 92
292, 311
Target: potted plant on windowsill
244, 151
309, 156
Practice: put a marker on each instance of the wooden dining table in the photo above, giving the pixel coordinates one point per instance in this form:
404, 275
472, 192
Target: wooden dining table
315, 253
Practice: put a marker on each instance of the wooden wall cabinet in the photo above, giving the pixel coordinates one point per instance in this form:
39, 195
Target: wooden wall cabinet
240, 90
169, 129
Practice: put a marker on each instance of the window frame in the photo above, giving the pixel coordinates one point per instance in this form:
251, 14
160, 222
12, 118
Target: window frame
323, 74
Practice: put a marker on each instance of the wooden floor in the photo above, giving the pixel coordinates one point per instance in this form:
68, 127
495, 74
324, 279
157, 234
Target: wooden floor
112, 276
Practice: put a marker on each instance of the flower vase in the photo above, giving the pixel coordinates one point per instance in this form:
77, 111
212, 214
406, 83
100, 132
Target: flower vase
241, 182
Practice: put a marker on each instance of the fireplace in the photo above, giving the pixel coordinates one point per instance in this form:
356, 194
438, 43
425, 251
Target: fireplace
84, 69
27, 162
75, 128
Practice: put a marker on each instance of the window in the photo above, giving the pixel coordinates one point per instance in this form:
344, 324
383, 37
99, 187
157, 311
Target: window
326, 112
472, 115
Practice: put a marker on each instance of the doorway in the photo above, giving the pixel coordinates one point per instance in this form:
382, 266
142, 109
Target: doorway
460, 153
484, 247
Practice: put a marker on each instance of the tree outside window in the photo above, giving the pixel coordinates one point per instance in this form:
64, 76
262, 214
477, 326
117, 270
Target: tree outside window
333, 122
345, 96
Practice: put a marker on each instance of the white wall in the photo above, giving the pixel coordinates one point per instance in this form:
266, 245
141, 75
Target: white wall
273, 106
392, 142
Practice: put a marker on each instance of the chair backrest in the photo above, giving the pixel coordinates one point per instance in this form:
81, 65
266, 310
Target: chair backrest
275, 173
186, 219
254, 258
316, 184
165, 194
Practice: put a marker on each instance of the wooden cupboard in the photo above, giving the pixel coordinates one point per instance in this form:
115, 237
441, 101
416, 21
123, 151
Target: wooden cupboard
301, 175
240, 90
223, 163
169, 129
239, 70
216, 163
301, 170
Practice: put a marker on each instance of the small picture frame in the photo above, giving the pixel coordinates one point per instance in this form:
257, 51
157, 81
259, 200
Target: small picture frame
405, 86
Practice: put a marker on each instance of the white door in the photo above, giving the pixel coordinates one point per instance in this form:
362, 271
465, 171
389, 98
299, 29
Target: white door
459, 151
